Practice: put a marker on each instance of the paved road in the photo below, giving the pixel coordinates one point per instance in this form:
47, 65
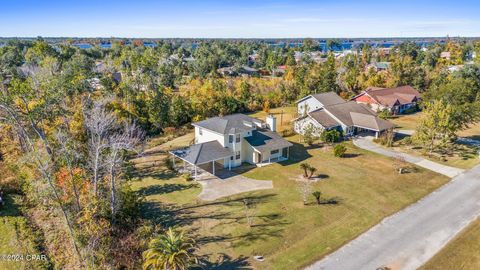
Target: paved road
409, 238
366, 143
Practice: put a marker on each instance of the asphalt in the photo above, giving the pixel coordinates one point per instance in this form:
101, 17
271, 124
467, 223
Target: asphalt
409, 238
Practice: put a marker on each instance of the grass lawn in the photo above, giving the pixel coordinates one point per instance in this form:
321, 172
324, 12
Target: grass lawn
16, 236
289, 234
409, 121
460, 253
463, 156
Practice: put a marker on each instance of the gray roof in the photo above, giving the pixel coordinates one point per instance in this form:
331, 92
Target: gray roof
370, 122
323, 118
329, 98
342, 111
203, 152
229, 124
266, 140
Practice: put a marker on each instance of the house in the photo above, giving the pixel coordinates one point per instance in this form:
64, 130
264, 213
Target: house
327, 111
446, 55
396, 100
378, 66
229, 141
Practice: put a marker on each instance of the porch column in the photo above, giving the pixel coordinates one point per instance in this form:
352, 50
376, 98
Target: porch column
376, 134
213, 166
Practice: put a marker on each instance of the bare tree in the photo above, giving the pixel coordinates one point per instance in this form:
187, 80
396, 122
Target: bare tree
304, 188
248, 214
125, 139
99, 125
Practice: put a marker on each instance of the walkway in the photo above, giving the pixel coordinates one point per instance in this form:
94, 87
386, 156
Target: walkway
409, 238
367, 144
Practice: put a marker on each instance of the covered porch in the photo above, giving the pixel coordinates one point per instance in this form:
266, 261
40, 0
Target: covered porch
267, 157
208, 157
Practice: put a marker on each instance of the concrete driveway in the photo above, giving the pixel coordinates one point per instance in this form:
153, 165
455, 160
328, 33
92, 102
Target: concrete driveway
367, 144
228, 183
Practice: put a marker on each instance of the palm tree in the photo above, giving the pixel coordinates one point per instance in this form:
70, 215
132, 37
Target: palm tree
171, 251
311, 170
304, 166
317, 195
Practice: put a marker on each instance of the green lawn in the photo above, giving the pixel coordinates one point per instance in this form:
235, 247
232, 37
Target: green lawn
460, 253
16, 236
289, 234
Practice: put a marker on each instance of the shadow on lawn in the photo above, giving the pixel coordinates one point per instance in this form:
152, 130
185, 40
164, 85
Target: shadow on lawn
164, 189
298, 153
225, 262
10, 208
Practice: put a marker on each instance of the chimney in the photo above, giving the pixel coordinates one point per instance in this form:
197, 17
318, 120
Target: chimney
272, 123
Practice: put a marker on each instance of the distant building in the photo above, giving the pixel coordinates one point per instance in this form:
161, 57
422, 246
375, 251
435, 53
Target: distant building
396, 100
378, 66
445, 55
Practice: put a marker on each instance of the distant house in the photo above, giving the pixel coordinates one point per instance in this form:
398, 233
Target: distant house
327, 111
396, 100
228, 141
454, 68
445, 55
378, 66
227, 71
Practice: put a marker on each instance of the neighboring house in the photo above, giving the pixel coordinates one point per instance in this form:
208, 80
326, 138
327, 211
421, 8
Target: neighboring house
454, 68
396, 100
329, 111
445, 55
378, 66
230, 140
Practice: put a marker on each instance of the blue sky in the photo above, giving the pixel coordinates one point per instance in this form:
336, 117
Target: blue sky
239, 19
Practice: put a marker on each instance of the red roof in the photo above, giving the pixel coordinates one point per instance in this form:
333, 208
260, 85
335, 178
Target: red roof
393, 96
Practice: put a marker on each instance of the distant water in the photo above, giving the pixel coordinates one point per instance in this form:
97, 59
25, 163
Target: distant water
109, 45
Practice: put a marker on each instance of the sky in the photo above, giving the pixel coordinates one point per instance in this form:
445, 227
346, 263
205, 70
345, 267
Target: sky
239, 19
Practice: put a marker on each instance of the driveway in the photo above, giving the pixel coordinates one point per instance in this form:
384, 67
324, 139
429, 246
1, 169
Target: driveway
367, 144
228, 183
409, 238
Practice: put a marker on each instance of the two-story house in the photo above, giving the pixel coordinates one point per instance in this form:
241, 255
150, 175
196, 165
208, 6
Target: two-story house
230, 140
328, 111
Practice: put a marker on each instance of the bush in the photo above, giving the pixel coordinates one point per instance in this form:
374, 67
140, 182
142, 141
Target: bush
288, 132
339, 150
386, 138
187, 176
169, 164
385, 114
330, 136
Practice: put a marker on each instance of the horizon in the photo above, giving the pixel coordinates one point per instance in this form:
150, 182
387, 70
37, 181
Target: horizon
214, 19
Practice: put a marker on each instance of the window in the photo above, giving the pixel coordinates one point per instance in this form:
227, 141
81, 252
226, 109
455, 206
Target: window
230, 138
237, 155
273, 152
237, 139
231, 158
200, 131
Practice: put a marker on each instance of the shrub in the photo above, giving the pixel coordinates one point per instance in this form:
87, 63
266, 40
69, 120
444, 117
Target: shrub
317, 195
339, 150
169, 164
305, 167
386, 138
330, 136
309, 134
187, 176
384, 114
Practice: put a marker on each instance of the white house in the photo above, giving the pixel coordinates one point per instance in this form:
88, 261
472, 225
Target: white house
230, 140
328, 111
